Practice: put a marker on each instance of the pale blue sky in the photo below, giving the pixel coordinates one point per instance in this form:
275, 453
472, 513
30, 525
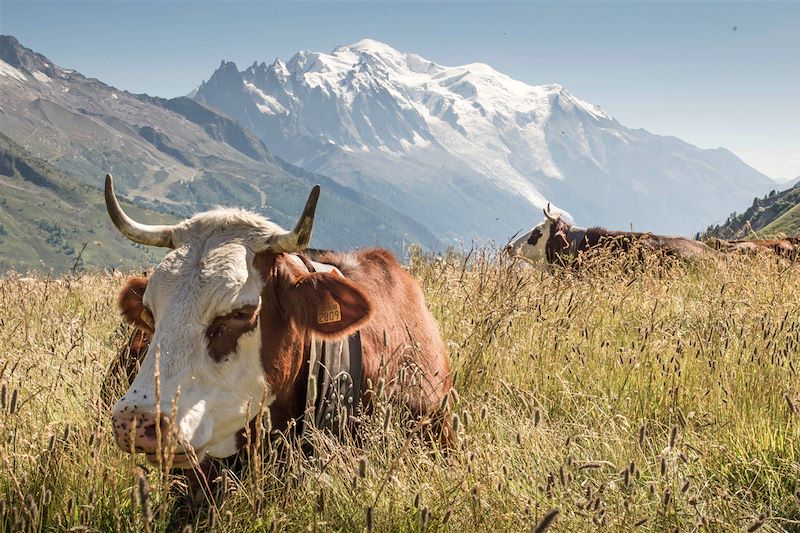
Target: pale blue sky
713, 74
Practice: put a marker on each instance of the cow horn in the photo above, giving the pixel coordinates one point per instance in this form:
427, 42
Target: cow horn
142, 233
297, 239
547, 214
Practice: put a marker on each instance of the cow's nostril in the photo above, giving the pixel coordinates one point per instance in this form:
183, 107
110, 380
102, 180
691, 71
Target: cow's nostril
150, 431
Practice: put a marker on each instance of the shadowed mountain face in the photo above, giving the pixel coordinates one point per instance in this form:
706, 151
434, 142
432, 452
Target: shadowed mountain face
469, 151
175, 155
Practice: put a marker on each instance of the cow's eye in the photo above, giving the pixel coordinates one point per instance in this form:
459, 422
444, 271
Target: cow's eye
243, 314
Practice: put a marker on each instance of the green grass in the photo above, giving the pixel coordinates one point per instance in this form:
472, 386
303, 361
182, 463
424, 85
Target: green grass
46, 232
787, 224
619, 395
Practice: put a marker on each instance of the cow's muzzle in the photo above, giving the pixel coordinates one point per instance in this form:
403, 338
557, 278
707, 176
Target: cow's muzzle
138, 431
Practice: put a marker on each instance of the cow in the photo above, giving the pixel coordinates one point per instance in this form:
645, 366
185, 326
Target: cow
231, 313
786, 247
555, 241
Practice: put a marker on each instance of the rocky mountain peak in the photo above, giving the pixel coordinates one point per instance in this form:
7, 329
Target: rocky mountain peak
26, 60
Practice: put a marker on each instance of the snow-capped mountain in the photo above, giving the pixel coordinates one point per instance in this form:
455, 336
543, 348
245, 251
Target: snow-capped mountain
469, 151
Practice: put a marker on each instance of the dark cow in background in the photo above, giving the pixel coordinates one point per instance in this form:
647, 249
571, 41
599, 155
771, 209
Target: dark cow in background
786, 247
554, 241
230, 314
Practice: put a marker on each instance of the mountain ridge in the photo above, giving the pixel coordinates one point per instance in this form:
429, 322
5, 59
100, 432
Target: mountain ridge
436, 137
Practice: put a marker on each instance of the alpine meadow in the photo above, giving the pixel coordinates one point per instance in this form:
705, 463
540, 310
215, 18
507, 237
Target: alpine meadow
655, 396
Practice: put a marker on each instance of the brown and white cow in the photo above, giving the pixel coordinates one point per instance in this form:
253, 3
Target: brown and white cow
231, 312
555, 241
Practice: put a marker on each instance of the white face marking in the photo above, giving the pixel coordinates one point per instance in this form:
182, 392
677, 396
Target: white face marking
534, 253
204, 278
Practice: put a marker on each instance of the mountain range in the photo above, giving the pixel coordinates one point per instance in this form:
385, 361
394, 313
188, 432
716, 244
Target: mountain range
407, 151
469, 151
171, 155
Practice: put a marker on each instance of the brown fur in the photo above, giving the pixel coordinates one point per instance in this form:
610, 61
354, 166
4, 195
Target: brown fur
126, 364
786, 247
560, 241
131, 306
394, 313
403, 322
224, 332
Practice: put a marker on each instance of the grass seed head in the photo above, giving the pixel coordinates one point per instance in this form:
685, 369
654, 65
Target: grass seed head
370, 519
387, 417
546, 521
790, 403
12, 408
320, 508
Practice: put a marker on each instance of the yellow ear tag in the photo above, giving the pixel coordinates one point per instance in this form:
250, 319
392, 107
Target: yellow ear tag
328, 310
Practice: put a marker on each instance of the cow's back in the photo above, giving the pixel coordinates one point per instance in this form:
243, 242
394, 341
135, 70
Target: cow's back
680, 247
402, 331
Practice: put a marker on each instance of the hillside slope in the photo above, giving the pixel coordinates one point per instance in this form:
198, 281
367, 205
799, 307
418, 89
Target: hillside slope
46, 217
776, 214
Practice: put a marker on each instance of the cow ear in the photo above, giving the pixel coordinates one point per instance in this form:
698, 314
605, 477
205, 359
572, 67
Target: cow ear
132, 307
327, 303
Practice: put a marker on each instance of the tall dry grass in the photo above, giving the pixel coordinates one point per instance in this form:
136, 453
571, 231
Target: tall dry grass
618, 397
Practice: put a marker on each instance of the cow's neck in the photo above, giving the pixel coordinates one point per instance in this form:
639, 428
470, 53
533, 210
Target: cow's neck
285, 364
283, 350
286, 348
576, 238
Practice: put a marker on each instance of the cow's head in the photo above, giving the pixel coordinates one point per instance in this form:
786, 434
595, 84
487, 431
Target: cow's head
229, 311
543, 241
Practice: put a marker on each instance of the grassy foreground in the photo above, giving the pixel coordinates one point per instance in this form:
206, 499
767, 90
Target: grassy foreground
623, 397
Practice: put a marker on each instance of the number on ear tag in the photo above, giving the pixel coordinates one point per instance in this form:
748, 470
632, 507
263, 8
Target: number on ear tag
328, 310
